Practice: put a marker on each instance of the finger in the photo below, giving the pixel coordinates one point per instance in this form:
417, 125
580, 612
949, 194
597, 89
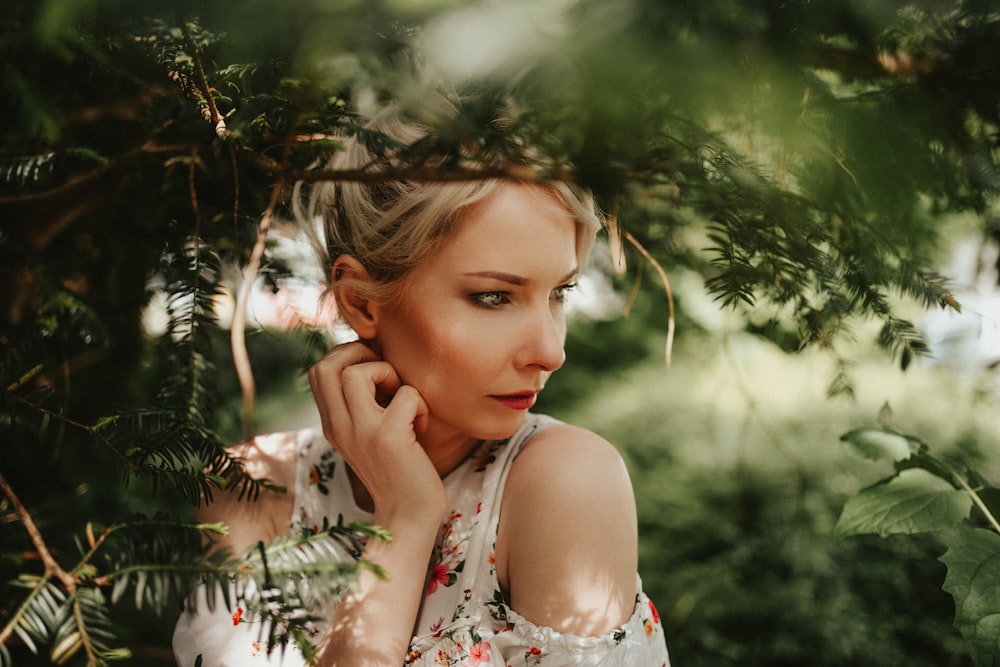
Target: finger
329, 368
408, 408
369, 387
325, 381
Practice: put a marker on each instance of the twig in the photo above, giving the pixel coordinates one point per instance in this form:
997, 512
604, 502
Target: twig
218, 123
52, 568
237, 331
615, 249
70, 422
977, 500
402, 173
671, 322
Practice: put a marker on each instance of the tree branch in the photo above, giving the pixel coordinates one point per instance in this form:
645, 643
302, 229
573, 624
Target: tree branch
218, 123
52, 568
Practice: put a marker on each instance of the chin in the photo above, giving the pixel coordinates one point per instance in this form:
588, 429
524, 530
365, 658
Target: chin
502, 429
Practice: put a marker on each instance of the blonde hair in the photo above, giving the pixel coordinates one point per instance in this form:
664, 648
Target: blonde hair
390, 226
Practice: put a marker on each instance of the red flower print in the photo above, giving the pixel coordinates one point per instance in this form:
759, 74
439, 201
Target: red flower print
534, 650
237, 615
656, 614
313, 476
479, 653
439, 575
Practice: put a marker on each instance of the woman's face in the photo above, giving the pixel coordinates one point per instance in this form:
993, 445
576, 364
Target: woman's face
483, 325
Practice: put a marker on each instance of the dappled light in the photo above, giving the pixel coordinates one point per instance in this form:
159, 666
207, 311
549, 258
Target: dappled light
789, 327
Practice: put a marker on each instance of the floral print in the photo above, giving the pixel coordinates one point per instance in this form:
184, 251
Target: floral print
464, 619
321, 472
478, 653
448, 559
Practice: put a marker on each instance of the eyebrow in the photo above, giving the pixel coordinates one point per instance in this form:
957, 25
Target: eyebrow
514, 279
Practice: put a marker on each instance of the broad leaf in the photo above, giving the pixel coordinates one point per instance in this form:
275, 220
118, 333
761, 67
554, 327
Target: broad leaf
914, 501
973, 560
877, 444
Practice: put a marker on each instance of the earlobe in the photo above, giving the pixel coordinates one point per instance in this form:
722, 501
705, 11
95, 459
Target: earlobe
349, 279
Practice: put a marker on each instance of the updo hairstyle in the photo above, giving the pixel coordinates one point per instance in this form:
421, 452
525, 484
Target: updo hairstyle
391, 226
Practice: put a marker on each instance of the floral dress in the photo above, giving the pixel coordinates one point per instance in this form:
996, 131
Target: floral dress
464, 620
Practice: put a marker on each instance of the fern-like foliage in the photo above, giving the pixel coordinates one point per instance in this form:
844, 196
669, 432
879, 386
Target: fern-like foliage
158, 560
290, 583
819, 263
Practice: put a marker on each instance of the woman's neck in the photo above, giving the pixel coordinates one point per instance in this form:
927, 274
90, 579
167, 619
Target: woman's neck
446, 448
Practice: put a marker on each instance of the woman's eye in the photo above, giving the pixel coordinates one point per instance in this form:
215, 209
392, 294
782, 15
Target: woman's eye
560, 293
491, 299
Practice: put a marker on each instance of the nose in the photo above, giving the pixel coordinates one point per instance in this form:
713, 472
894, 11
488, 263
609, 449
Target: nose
544, 340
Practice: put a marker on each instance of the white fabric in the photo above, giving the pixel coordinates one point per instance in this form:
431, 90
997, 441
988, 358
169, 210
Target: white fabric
464, 620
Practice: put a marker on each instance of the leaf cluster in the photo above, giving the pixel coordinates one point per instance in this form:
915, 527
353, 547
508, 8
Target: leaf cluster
797, 156
927, 494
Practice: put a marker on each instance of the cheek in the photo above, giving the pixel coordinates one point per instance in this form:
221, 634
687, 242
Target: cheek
421, 350
451, 356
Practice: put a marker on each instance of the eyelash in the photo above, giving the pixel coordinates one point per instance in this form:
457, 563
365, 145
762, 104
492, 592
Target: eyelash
485, 299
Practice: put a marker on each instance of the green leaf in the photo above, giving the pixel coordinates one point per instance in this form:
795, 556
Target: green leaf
973, 561
914, 501
876, 444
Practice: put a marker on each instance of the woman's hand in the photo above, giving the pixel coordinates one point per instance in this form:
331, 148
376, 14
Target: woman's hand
372, 419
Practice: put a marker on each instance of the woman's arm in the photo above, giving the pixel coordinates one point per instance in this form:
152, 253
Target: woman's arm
271, 457
567, 543
377, 438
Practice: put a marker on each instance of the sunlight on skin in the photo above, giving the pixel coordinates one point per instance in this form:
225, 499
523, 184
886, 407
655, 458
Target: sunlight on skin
589, 513
483, 321
270, 458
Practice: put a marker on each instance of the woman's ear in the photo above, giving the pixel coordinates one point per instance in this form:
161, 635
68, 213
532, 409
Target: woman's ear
347, 278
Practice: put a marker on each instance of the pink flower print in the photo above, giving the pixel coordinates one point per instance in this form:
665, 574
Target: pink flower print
439, 575
480, 652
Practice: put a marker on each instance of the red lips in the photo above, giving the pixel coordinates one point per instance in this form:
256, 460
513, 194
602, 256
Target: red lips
521, 401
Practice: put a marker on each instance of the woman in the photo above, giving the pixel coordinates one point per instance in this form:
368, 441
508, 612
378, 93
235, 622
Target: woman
514, 535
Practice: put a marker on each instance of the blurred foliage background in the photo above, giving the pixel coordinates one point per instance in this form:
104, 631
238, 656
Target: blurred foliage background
804, 173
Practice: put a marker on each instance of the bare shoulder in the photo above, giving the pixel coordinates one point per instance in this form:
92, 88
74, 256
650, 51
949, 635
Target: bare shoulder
571, 467
567, 549
271, 458
554, 447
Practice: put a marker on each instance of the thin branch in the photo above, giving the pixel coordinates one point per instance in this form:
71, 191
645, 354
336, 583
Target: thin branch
237, 331
52, 568
81, 626
218, 123
671, 322
977, 500
615, 247
71, 422
403, 173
